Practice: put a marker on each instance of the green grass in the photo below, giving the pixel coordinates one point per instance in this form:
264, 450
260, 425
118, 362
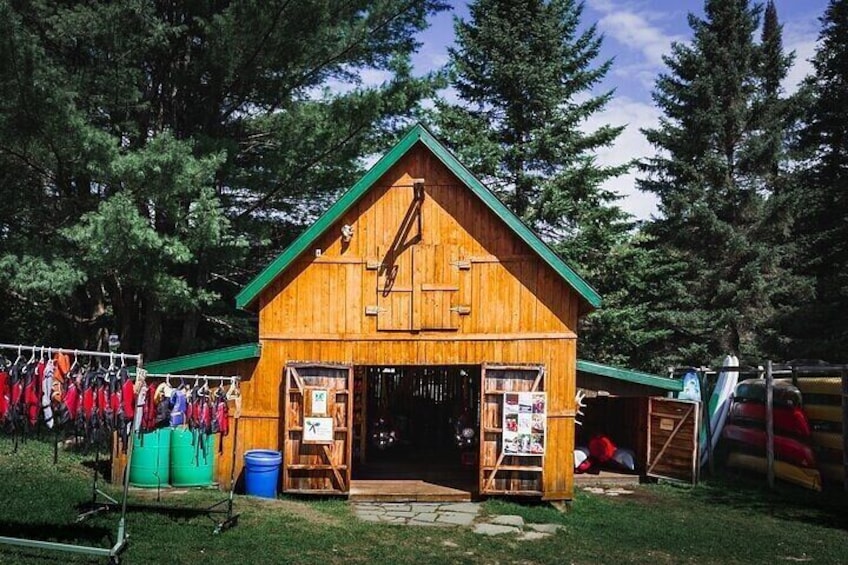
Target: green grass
731, 520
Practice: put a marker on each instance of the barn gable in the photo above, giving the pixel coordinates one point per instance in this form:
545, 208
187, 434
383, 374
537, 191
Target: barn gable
417, 137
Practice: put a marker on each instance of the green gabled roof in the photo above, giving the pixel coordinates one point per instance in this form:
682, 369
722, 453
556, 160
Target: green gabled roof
205, 359
417, 134
630, 376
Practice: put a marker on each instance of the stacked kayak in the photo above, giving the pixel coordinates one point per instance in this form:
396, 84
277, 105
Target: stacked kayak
823, 407
745, 433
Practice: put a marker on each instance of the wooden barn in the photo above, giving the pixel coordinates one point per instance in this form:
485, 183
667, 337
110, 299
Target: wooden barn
417, 301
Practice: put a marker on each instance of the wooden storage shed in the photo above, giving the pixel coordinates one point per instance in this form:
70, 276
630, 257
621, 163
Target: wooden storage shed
637, 411
418, 298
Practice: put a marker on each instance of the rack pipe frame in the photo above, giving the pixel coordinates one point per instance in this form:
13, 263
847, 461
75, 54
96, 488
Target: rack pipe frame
122, 539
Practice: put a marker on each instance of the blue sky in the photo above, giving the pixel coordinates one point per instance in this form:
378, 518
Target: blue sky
637, 33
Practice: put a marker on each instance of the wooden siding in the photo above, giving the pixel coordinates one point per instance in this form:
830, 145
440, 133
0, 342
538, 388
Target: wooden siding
262, 422
418, 265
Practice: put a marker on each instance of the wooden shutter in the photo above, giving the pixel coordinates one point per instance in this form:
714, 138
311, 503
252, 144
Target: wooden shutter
394, 291
672, 439
310, 465
501, 473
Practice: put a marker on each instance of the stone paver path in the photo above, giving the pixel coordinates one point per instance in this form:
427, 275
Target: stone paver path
451, 514
419, 513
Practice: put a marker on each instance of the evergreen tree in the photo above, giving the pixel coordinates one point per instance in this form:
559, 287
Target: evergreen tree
523, 72
154, 155
819, 328
717, 167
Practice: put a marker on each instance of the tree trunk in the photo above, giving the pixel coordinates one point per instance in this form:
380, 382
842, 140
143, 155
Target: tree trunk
189, 335
152, 345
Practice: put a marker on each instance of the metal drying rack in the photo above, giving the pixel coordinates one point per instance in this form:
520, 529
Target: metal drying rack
122, 538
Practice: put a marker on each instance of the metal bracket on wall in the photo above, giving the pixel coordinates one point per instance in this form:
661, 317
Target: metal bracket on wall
373, 310
373, 264
461, 310
462, 264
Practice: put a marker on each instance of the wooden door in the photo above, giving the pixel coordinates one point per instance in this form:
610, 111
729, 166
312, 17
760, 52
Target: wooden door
318, 428
672, 439
500, 471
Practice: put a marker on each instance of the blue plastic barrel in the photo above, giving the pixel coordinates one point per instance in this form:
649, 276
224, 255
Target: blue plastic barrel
262, 471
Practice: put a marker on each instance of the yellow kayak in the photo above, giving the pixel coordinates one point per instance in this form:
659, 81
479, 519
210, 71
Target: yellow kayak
823, 413
820, 385
829, 440
807, 478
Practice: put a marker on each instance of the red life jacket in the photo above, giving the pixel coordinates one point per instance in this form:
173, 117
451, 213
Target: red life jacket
88, 400
72, 398
128, 399
148, 418
32, 399
222, 417
4, 396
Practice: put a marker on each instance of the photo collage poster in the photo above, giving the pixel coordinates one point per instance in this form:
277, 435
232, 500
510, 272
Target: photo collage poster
524, 417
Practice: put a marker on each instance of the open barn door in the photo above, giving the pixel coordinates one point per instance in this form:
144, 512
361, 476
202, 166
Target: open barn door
513, 421
319, 412
672, 439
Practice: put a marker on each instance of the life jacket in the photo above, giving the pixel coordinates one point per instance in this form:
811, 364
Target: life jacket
72, 399
16, 387
46, 394
148, 418
128, 399
222, 419
4, 396
62, 365
178, 403
163, 404
32, 399
89, 396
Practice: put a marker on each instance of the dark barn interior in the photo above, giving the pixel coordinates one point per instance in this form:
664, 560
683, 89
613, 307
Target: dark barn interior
411, 419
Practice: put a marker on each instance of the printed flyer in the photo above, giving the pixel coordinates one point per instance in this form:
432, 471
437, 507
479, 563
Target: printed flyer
524, 417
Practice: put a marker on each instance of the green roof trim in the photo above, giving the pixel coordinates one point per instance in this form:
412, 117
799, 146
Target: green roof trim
628, 375
417, 134
205, 359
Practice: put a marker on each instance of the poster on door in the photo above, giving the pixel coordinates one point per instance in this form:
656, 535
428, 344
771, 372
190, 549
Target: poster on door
524, 417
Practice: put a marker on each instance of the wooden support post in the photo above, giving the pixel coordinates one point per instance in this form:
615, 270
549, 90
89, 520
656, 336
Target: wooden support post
770, 424
845, 425
705, 402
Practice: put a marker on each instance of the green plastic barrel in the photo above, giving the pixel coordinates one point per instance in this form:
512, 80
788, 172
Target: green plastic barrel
192, 458
151, 459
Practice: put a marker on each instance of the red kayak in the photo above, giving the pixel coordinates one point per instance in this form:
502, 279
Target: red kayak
785, 448
791, 421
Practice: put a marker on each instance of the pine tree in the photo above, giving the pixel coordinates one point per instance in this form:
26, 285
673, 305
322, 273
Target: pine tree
718, 162
523, 72
147, 143
819, 328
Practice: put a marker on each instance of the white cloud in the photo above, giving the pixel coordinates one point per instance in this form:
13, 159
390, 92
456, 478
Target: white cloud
631, 144
635, 30
800, 35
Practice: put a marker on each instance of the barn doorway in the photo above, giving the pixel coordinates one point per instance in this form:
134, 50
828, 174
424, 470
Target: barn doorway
417, 425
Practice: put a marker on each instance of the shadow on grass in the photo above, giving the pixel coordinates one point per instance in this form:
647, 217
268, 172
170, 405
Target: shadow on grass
76, 534
748, 493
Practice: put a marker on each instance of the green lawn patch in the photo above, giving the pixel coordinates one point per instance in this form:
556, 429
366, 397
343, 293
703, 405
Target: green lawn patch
728, 520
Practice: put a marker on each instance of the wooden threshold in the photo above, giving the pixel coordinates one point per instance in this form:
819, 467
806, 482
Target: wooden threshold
605, 478
405, 490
